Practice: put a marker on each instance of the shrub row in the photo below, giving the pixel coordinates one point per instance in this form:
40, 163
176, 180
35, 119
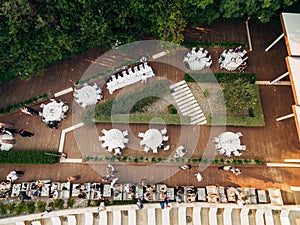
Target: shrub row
28, 157
217, 161
219, 77
11, 108
232, 45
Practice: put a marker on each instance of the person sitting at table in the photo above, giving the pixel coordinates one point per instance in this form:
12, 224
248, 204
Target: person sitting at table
147, 196
25, 133
238, 49
36, 193
179, 190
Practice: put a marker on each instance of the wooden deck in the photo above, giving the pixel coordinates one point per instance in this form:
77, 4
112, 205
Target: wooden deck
273, 143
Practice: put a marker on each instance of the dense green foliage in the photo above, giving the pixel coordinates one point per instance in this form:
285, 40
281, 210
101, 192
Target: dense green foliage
28, 157
37, 33
254, 119
219, 77
239, 96
19, 105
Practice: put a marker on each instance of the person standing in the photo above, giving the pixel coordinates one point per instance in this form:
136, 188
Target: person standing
184, 167
14, 175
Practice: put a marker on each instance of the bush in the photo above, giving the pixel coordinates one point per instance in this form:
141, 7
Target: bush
3, 209
59, 203
41, 206
71, 202
30, 207
28, 157
19, 105
172, 109
219, 77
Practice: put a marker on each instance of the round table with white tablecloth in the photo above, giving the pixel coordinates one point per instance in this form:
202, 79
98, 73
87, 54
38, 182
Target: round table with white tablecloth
231, 61
229, 141
114, 138
53, 111
88, 95
152, 138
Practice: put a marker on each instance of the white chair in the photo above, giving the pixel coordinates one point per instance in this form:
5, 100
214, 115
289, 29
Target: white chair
83, 105
125, 133
141, 135
104, 131
104, 145
109, 149
40, 114
242, 147
126, 140
155, 150
163, 131
243, 53
218, 146
165, 138
167, 148
216, 139
146, 148
65, 108
201, 49
236, 153
221, 151
42, 105
117, 151
239, 134
228, 154
230, 50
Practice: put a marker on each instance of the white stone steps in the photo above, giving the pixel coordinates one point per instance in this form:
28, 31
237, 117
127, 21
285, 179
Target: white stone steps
177, 84
186, 102
117, 217
182, 215
191, 107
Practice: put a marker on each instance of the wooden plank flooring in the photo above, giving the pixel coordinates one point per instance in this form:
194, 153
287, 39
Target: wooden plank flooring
273, 143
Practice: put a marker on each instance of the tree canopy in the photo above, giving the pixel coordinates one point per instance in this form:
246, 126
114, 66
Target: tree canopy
35, 33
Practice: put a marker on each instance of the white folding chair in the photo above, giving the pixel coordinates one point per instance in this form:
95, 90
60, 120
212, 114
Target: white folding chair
109, 149
216, 139
146, 148
167, 148
104, 145
126, 140
163, 131
141, 135
155, 150
236, 153
221, 151
218, 146
239, 134
125, 132
165, 138
42, 105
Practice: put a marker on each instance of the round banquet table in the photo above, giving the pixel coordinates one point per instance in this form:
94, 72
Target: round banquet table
114, 138
53, 111
229, 141
232, 61
87, 95
152, 138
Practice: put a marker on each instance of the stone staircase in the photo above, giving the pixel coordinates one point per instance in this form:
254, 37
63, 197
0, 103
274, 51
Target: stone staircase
187, 104
179, 214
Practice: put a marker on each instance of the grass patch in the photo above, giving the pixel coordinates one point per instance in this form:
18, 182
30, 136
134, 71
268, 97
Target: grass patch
28, 157
233, 45
219, 77
14, 107
125, 108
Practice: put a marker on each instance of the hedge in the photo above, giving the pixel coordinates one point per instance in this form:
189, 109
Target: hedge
219, 77
19, 105
216, 161
28, 157
174, 119
255, 120
214, 44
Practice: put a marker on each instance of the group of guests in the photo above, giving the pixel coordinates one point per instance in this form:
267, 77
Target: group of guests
6, 128
234, 170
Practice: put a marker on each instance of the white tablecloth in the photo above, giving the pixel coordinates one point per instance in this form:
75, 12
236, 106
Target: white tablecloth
232, 61
6, 146
53, 111
86, 95
196, 60
152, 138
114, 138
229, 141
